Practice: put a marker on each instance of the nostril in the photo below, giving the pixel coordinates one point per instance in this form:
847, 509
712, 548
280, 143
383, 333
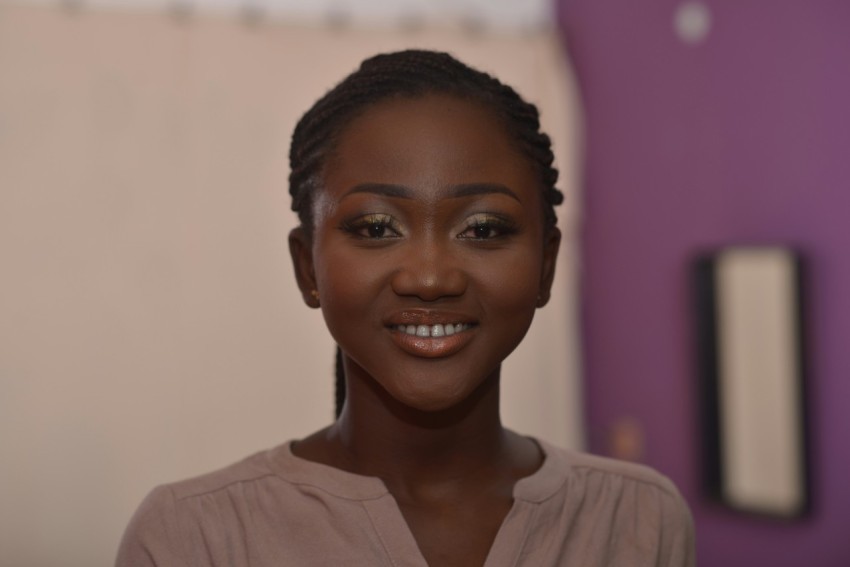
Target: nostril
429, 282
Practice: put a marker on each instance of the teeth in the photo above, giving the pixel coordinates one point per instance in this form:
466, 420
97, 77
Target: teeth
432, 330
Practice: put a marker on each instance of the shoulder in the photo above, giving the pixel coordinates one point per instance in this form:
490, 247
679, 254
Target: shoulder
623, 488
626, 513
165, 523
252, 469
626, 472
571, 466
637, 486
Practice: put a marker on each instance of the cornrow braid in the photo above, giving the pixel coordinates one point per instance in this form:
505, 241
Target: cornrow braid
411, 73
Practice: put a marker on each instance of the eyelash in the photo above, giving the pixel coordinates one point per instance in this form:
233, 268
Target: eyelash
374, 227
488, 222
362, 227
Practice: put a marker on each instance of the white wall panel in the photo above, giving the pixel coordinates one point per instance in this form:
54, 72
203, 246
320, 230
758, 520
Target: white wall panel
150, 327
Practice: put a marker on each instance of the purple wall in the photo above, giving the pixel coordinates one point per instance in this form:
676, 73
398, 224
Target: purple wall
744, 138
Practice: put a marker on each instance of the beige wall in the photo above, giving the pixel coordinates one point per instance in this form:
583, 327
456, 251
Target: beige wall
149, 323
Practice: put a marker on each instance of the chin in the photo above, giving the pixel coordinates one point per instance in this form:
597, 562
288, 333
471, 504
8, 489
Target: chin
429, 396
407, 384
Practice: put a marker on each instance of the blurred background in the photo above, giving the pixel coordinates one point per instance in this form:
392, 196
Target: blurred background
150, 327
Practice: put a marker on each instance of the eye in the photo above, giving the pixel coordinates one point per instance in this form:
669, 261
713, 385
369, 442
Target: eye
373, 227
487, 227
376, 230
483, 231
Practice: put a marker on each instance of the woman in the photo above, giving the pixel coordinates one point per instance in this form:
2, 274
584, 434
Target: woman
425, 192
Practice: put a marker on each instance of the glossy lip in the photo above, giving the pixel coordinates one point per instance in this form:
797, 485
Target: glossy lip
430, 347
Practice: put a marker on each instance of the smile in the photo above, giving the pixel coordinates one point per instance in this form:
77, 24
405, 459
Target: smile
427, 334
438, 330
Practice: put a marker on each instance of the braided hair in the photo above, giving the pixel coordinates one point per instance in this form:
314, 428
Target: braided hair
411, 74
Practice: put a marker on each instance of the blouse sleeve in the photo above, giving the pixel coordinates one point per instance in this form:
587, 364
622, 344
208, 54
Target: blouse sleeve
678, 539
152, 537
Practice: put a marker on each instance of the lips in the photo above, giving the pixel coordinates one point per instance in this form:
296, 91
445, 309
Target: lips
431, 334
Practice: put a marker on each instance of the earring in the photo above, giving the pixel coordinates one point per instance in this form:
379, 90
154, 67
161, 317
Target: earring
315, 294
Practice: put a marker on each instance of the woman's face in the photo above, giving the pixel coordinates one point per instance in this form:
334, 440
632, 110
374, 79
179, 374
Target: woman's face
429, 250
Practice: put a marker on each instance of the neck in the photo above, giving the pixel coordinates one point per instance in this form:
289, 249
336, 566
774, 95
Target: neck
380, 436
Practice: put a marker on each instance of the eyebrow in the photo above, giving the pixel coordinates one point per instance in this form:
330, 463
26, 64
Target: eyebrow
455, 192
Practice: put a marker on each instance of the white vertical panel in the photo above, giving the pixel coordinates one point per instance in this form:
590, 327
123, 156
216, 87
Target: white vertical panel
758, 373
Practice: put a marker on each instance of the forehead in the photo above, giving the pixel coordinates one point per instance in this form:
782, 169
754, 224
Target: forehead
431, 140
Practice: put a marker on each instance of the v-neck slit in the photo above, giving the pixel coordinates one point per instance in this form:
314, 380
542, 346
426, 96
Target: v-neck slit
497, 557
402, 549
394, 533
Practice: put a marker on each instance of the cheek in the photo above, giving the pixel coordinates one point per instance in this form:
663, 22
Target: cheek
510, 281
513, 287
348, 285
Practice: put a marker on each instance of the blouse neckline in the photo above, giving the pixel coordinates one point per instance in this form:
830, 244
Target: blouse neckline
537, 487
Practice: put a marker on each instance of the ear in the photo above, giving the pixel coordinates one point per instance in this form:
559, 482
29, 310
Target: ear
301, 250
550, 257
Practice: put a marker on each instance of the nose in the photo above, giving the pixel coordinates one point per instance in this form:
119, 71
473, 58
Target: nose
429, 271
